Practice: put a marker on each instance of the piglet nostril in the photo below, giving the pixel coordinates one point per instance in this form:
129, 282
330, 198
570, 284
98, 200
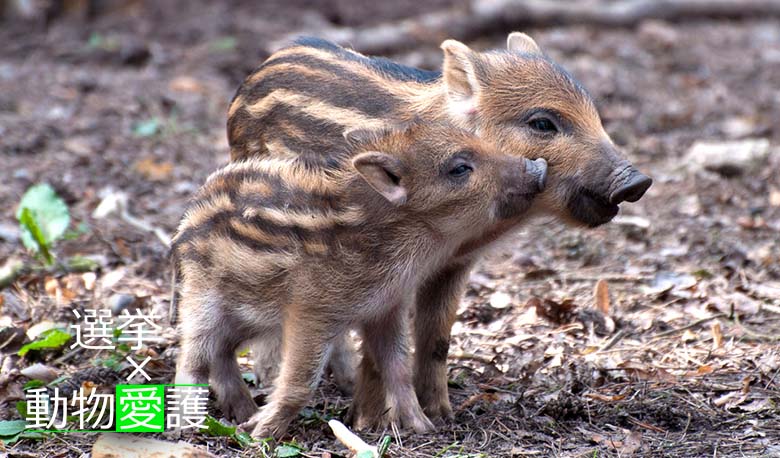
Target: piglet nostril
538, 168
632, 190
541, 179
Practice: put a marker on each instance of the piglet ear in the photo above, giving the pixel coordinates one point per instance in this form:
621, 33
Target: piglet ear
522, 43
460, 79
384, 174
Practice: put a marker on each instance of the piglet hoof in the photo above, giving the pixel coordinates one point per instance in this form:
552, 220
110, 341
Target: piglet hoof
360, 420
439, 409
267, 422
410, 415
418, 422
240, 411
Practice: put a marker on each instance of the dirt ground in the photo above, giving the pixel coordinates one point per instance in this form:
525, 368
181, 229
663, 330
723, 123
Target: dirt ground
681, 359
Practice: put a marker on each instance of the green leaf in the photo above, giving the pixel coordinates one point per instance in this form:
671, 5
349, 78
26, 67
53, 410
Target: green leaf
214, 428
383, 446
58, 380
35, 383
365, 454
82, 264
12, 427
46, 219
243, 438
52, 339
146, 128
22, 435
32, 235
703, 273
288, 451
95, 40
21, 407
224, 44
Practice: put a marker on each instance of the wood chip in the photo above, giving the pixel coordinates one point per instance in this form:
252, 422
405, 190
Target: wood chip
113, 445
601, 296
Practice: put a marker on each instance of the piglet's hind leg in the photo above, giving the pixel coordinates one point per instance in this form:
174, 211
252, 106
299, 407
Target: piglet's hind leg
305, 350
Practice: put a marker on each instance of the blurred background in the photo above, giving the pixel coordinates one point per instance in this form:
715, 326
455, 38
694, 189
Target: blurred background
121, 104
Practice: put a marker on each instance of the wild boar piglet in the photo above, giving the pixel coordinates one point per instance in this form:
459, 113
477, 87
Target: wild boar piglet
269, 246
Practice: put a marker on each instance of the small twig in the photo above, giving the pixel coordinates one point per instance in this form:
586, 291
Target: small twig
472, 357
69, 355
772, 380
616, 278
689, 326
144, 226
685, 430
117, 203
771, 308
647, 425
611, 342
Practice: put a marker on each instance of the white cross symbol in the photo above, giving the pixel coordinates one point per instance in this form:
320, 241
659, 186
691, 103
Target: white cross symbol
139, 368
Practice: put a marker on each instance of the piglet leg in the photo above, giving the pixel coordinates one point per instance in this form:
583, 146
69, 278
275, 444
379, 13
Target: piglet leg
437, 305
306, 344
386, 366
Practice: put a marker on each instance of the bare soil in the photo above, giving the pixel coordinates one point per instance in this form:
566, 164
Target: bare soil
682, 361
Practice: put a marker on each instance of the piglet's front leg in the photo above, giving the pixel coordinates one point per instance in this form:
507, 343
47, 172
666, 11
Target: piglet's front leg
437, 305
306, 345
385, 374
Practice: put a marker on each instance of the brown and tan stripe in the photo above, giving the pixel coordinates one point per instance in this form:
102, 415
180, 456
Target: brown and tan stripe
201, 212
316, 108
307, 220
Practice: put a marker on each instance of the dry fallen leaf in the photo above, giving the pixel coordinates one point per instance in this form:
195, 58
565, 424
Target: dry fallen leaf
631, 443
774, 197
604, 397
41, 372
748, 222
757, 405
555, 312
702, 370
689, 336
152, 170
476, 398
717, 336
604, 440
186, 83
51, 286
644, 372
730, 399
601, 295
89, 279
746, 382
88, 387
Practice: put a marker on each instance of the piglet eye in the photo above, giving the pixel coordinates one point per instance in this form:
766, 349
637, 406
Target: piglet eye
544, 125
461, 170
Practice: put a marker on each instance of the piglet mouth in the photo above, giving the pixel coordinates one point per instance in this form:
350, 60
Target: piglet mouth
592, 208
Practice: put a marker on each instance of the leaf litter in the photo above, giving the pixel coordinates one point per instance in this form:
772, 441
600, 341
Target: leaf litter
652, 336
